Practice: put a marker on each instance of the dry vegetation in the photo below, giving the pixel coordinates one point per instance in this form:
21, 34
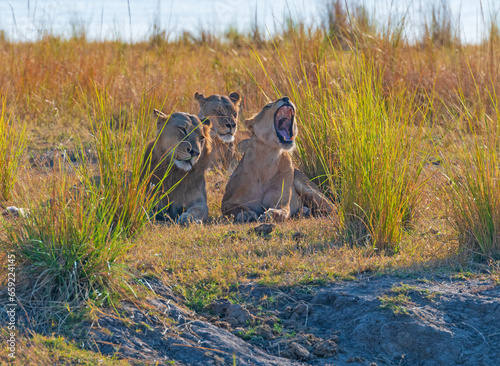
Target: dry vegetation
424, 198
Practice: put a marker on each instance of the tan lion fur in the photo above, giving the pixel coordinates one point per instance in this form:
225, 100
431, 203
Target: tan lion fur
183, 145
265, 181
222, 111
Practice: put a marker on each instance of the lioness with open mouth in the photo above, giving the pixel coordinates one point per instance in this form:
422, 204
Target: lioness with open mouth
179, 157
265, 181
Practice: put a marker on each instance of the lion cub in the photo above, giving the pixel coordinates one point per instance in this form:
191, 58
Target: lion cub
222, 111
265, 181
183, 145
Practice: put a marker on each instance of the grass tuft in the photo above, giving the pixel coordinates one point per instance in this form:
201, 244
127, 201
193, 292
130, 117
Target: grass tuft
69, 248
379, 162
475, 185
67, 252
12, 145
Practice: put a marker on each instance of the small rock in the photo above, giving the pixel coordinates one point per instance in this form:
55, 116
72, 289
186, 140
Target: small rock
334, 338
237, 315
233, 322
301, 309
262, 229
218, 307
324, 298
265, 332
297, 351
326, 349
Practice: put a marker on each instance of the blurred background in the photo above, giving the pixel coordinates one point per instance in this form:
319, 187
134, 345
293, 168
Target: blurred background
136, 20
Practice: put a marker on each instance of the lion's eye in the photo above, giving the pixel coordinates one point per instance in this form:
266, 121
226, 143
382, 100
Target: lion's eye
183, 130
235, 115
202, 138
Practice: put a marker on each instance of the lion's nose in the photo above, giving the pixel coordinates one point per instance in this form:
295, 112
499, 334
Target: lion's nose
231, 125
193, 152
285, 99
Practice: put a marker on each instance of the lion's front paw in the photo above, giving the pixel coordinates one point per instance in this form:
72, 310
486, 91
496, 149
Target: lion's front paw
186, 218
274, 214
246, 216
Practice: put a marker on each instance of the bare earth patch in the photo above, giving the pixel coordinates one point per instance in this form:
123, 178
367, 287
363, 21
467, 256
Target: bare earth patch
372, 321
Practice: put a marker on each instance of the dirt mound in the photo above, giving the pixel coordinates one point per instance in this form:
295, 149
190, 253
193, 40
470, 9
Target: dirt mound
382, 321
169, 334
410, 322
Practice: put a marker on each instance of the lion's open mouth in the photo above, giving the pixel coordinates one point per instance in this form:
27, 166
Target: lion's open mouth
283, 123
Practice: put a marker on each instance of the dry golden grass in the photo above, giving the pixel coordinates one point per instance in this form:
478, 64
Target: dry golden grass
43, 81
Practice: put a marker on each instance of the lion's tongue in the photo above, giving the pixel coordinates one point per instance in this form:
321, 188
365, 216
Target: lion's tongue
284, 123
284, 129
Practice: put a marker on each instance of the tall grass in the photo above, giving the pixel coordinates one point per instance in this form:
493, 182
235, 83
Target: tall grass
12, 145
379, 160
475, 184
120, 144
68, 249
359, 144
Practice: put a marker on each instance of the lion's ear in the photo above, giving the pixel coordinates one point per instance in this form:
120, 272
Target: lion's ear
159, 114
235, 98
249, 123
206, 122
161, 118
200, 98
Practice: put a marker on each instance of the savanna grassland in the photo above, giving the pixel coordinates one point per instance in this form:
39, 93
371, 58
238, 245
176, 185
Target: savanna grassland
403, 136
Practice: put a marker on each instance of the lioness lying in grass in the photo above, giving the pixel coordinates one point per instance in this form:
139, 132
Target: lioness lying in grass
265, 181
179, 157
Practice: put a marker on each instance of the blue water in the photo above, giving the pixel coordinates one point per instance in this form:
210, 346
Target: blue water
133, 19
